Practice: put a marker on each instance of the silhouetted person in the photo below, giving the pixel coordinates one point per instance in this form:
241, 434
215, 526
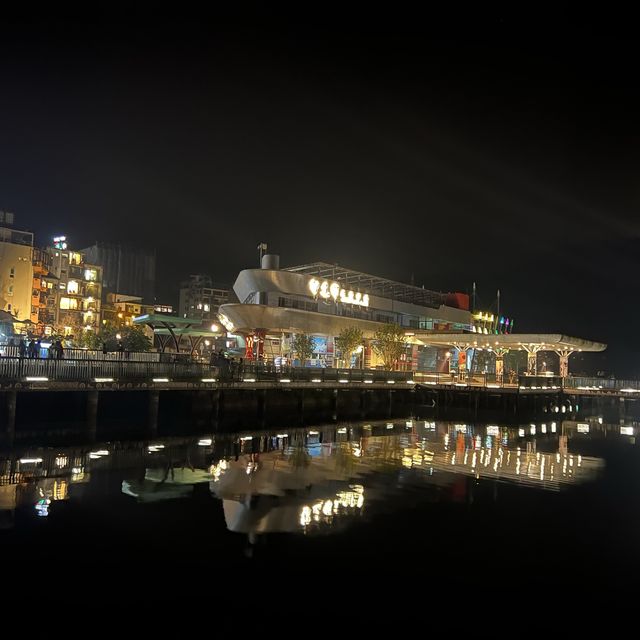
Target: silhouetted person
120, 348
59, 350
104, 348
36, 349
22, 349
31, 349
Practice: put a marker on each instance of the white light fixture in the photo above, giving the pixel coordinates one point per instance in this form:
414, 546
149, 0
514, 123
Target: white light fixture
103, 379
343, 381
30, 460
316, 380
285, 380
161, 379
209, 379
36, 379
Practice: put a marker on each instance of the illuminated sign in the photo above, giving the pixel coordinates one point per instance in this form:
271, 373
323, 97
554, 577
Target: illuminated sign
60, 242
489, 323
328, 290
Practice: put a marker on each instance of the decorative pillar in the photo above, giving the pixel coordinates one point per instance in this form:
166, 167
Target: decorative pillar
462, 361
532, 357
500, 352
564, 361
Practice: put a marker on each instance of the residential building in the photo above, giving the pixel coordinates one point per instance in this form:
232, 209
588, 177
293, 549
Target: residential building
201, 298
78, 296
16, 269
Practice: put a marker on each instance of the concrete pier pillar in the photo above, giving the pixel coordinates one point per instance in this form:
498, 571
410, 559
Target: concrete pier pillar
92, 412
154, 404
335, 405
11, 400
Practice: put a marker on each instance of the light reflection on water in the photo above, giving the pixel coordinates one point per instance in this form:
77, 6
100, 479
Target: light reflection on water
308, 480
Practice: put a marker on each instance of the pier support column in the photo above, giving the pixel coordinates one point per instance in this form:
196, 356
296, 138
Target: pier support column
363, 404
154, 403
11, 399
335, 404
262, 407
92, 412
301, 406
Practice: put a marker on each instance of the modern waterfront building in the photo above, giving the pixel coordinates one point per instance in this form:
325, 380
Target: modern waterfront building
441, 333
125, 269
321, 299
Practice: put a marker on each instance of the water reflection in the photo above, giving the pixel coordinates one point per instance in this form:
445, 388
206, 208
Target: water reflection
307, 480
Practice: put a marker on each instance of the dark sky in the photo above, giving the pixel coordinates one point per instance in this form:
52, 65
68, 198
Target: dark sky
489, 153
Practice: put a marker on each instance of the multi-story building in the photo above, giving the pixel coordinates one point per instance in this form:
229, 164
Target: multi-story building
16, 269
44, 285
120, 309
77, 302
163, 308
201, 298
125, 269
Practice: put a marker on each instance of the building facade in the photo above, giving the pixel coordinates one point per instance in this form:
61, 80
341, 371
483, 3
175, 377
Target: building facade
120, 310
77, 301
321, 300
125, 269
200, 298
16, 269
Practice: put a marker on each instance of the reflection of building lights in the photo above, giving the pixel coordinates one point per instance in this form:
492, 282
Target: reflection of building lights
30, 460
204, 442
42, 507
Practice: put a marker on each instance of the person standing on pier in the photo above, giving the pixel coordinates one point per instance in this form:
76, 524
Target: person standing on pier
22, 349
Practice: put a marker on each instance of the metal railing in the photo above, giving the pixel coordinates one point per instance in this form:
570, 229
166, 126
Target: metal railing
600, 384
85, 370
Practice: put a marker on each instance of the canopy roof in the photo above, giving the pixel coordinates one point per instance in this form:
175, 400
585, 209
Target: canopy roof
376, 285
526, 341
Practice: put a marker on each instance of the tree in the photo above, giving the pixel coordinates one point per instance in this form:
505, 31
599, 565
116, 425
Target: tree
348, 341
89, 340
303, 345
133, 338
389, 344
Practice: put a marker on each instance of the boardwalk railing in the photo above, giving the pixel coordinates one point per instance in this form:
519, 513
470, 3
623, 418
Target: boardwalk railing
85, 370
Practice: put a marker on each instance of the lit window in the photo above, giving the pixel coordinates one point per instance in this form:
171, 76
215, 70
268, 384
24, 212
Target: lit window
90, 274
206, 307
10, 289
12, 273
67, 331
68, 303
72, 286
199, 305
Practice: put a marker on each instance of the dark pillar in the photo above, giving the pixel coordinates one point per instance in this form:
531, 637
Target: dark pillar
11, 399
335, 404
262, 407
363, 404
301, 406
154, 404
92, 413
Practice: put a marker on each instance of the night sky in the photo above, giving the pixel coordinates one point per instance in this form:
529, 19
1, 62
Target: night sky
499, 157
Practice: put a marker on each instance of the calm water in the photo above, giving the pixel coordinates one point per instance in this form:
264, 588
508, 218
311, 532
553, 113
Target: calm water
466, 502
